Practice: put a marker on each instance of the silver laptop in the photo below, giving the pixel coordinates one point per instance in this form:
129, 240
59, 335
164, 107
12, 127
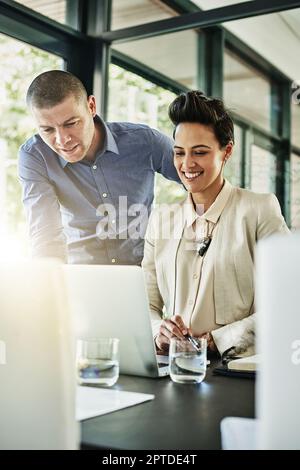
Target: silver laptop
278, 331
37, 396
111, 301
278, 385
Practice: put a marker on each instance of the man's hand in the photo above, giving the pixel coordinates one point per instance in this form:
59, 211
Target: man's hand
173, 327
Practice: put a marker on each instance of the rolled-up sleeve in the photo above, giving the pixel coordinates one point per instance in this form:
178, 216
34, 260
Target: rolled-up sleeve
42, 207
162, 155
269, 221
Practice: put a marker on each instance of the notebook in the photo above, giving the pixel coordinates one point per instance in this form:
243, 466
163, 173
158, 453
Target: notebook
242, 367
249, 363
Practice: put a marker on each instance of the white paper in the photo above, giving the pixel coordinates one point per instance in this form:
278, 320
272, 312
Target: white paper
239, 433
92, 401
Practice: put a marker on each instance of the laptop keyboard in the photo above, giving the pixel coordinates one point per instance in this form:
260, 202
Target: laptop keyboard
162, 364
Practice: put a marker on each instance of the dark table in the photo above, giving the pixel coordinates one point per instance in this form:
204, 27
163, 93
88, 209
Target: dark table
180, 416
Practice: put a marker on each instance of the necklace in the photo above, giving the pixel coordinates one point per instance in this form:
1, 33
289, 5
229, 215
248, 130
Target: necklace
202, 247
203, 244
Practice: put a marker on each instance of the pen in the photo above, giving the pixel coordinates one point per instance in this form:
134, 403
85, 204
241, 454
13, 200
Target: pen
192, 340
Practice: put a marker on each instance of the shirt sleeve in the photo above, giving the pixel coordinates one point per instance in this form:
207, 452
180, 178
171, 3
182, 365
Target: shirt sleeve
269, 221
238, 333
162, 155
41, 207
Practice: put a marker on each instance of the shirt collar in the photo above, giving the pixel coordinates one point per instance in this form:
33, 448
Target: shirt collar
110, 144
213, 213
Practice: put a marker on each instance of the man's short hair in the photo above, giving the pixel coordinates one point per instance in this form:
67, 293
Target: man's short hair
51, 88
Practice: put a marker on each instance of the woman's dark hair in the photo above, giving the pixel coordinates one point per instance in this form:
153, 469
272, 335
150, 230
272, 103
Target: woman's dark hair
194, 106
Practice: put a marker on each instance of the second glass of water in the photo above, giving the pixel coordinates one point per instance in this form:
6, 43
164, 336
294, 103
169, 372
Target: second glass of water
97, 361
187, 364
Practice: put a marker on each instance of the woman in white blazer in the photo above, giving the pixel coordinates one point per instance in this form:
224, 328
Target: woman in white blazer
199, 254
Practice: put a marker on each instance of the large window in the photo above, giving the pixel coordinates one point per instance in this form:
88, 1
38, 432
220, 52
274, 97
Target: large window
246, 91
262, 170
295, 192
19, 64
296, 122
134, 99
233, 168
172, 55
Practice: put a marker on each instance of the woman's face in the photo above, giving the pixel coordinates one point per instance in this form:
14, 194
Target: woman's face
198, 158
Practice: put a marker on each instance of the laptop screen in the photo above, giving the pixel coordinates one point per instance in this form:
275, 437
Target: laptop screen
111, 301
278, 307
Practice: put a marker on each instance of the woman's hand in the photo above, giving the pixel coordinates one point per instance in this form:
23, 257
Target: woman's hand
173, 327
211, 345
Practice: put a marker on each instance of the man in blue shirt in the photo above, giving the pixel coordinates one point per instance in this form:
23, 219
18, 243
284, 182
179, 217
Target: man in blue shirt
87, 185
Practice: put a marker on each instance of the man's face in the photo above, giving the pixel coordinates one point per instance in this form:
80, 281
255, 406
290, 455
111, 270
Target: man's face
68, 128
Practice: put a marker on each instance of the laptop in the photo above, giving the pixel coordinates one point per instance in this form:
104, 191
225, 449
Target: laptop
112, 301
278, 343
37, 397
278, 385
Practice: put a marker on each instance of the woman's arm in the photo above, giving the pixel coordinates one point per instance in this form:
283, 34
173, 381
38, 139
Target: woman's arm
149, 268
163, 329
269, 222
235, 334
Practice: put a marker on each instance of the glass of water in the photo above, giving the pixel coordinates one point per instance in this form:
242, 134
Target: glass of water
97, 361
187, 363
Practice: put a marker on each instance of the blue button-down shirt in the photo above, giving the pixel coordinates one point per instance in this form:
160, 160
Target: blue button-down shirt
94, 213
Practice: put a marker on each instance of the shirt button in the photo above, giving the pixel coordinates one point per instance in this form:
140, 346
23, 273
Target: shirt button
104, 194
113, 260
191, 301
94, 167
195, 276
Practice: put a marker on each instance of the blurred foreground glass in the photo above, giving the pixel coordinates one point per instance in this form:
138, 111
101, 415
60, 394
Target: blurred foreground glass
97, 361
187, 364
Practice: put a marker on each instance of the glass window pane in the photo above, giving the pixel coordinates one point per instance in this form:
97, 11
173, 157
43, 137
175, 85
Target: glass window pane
126, 13
295, 192
54, 9
296, 124
263, 170
232, 170
246, 91
20, 63
173, 55
134, 99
